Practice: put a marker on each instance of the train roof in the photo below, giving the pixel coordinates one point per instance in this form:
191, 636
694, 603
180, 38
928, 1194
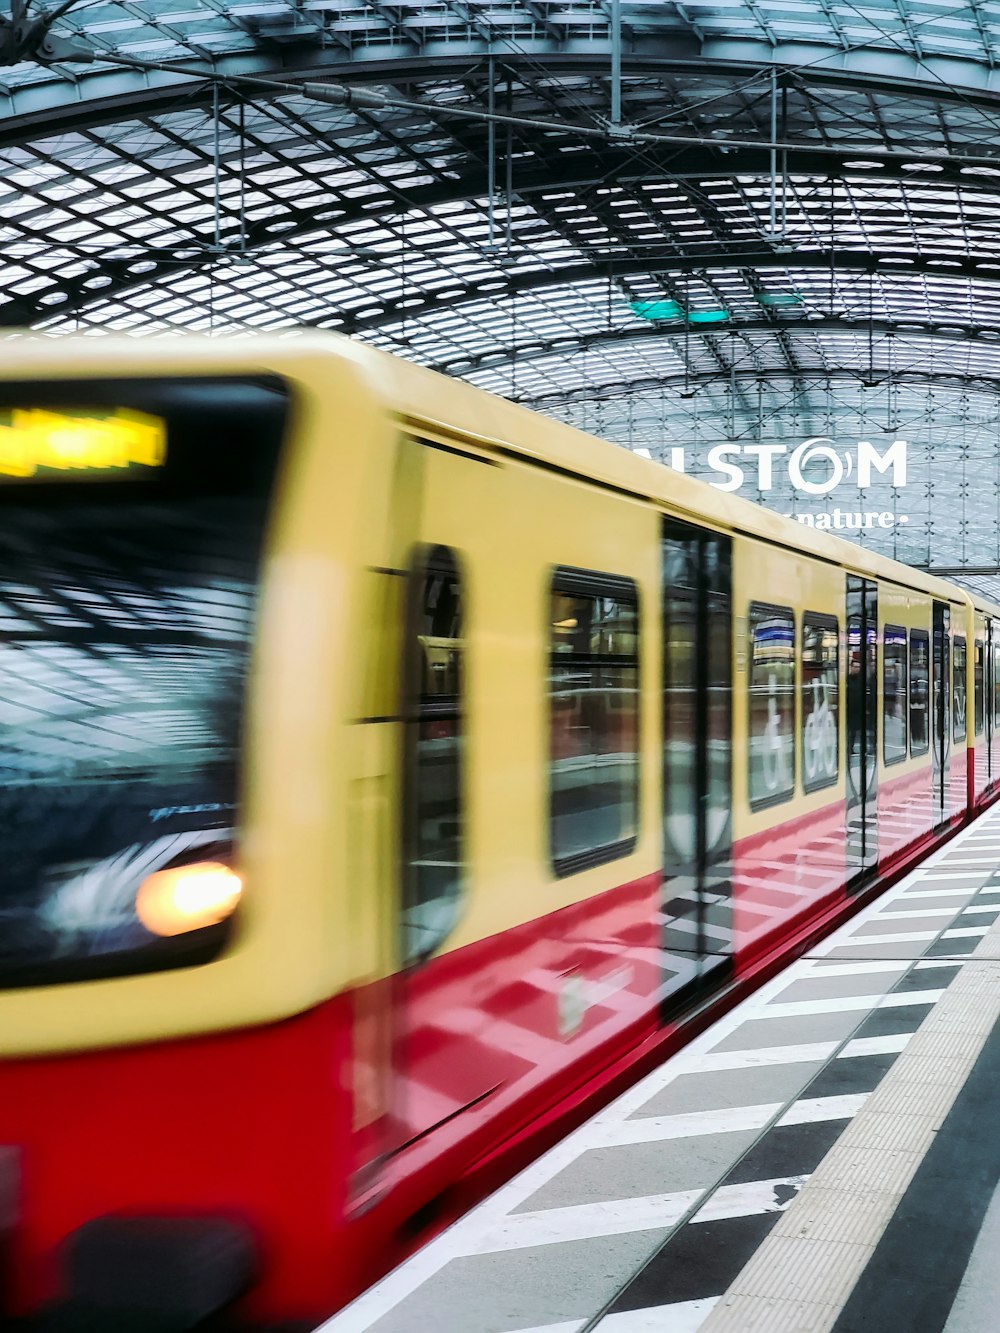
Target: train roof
439, 404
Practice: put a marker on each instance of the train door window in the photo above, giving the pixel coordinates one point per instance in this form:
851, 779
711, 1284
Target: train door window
919, 691
772, 704
996, 675
894, 695
594, 719
434, 815
958, 688
978, 687
820, 680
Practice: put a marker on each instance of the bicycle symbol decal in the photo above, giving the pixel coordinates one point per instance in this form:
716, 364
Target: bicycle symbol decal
774, 763
820, 740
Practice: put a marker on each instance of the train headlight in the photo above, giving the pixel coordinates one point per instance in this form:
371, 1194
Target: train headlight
188, 897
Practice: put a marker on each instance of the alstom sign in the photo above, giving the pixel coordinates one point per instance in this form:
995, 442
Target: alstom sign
815, 467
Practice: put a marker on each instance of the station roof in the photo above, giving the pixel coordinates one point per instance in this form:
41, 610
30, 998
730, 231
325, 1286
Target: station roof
776, 222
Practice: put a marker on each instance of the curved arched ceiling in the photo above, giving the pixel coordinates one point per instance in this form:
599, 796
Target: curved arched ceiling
779, 221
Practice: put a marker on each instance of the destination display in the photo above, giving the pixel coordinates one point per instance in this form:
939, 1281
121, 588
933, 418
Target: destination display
38, 444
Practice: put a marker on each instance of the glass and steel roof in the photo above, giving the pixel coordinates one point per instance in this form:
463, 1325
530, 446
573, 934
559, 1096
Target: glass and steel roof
689, 225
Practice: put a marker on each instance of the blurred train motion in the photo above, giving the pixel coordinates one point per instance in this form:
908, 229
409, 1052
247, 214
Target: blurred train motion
386, 773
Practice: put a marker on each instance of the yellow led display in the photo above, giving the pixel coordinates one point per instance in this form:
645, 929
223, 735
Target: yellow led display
36, 441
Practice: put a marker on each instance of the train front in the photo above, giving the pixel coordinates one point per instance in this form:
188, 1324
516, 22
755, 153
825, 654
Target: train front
155, 1145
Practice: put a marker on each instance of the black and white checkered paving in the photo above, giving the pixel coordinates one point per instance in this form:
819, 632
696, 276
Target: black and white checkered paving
640, 1220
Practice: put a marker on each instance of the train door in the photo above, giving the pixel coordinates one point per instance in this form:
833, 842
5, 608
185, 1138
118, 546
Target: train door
940, 711
416, 1066
984, 692
697, 759
862, 728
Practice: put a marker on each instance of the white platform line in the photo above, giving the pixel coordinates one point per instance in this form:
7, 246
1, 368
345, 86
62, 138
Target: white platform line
901, 999
683, 1317
926, 891
587, 1221
810, 1110
891, 1045
769, 1055
844, 1004
573, 1326
971, 860
907, 913
900, 937
849, 967
750, 1199
934, 874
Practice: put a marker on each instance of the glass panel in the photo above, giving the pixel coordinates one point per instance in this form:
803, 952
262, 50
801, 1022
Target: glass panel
941, 700
894, 693
958, 688
996, 677
435, 882
719, 799
594, 716
772, 704
820, 681
126, 624
681, 576
919, 691
978, 686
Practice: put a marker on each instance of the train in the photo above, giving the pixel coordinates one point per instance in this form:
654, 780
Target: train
388, 774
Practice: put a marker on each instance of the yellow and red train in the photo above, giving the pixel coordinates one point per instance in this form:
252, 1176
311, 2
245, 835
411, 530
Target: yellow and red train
385, 771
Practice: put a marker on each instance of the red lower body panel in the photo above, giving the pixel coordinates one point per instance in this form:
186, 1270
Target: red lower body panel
291, 1127
253, 1125
785, 876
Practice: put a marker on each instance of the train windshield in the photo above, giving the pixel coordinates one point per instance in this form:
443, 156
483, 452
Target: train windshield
132, 521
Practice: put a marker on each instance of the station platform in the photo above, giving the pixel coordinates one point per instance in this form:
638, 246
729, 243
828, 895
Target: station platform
825, 1156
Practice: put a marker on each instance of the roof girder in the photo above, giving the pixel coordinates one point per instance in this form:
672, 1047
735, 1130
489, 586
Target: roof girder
986, 384
178, 259
96, 94
875, 374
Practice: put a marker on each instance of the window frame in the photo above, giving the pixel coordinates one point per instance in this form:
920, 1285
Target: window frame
574, 581
423, 563
957, 639
824, 621
914, 752
779, 798
886, 631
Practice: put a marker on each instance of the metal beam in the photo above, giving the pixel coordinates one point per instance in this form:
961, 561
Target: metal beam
987, 272
25, 311
964, 571
566, 347
97, 94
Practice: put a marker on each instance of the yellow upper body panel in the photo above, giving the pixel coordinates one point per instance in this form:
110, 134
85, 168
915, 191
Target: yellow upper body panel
319, 804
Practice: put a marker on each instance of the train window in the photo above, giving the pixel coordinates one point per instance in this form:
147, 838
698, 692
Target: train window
434, 816
978, 687
772, 704
919, 691
594, 719
996, 678
820, 679
958, 688
128, 599
894, 692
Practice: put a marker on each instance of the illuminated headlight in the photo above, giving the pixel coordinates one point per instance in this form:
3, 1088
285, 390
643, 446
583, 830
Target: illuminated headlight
188, 897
